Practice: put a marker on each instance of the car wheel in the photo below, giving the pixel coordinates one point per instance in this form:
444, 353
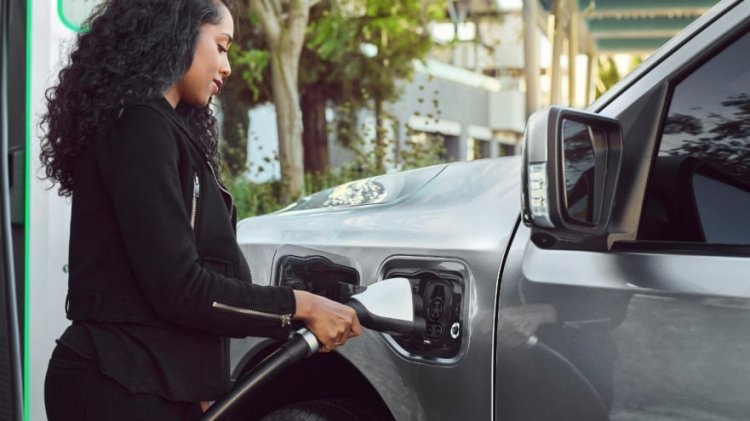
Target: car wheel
330, 410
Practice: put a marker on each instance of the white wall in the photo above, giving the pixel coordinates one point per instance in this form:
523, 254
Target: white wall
263, 145
49, 214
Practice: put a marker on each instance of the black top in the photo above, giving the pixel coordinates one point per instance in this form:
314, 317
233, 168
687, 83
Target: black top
155, 273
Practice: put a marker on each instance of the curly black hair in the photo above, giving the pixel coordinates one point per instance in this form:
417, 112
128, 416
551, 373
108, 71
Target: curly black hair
130, 51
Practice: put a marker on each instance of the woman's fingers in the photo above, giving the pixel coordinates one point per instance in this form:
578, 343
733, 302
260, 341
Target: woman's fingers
356, 328
332, 323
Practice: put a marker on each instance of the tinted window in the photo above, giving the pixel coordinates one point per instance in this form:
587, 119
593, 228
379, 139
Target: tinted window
704, 156
722, 210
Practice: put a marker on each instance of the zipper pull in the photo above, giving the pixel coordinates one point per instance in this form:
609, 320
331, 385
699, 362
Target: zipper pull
194, 205
286, 320
196, 187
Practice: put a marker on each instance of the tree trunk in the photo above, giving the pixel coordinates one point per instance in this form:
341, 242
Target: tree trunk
315, 131
289, 122
284, 25
380, 133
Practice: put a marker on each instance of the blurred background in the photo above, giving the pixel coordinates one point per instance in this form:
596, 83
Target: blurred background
391, 85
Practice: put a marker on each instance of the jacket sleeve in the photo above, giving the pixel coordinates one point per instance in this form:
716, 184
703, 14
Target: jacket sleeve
139, 166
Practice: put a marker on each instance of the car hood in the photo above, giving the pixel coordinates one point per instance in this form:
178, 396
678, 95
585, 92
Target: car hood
465, 205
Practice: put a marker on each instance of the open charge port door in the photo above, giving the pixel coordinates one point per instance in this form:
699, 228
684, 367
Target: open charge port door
319, 275
438, 297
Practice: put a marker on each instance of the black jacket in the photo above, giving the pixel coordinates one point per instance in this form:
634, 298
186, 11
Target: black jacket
156, 275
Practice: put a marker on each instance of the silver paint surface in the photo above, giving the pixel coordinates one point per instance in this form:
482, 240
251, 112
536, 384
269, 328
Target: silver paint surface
466, 213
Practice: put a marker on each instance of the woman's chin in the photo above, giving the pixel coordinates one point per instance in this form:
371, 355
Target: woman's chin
198, 101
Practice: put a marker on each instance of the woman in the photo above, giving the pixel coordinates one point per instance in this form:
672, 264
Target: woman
156, 279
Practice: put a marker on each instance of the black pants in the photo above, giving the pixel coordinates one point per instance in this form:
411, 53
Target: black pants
75, 389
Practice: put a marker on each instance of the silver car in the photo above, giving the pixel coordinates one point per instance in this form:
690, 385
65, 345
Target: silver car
605, 274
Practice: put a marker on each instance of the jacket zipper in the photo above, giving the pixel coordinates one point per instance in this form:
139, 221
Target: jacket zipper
285, 319
196, 195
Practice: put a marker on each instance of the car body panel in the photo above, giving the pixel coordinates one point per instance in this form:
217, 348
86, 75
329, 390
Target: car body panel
644, 331
657, 335
422, 229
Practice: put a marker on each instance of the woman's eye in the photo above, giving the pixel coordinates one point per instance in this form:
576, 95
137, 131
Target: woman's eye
222, 49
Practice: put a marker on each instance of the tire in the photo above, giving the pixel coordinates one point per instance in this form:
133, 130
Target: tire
330, 410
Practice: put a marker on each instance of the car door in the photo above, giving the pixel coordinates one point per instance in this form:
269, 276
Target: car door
656, 326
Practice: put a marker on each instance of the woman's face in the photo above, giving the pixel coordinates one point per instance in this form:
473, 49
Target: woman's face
210, 66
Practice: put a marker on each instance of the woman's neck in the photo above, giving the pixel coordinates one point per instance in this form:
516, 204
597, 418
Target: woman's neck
172, 96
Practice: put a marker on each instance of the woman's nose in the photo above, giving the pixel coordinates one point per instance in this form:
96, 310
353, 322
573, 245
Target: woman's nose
225, 70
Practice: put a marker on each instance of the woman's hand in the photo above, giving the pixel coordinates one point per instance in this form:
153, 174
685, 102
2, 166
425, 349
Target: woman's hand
332, 323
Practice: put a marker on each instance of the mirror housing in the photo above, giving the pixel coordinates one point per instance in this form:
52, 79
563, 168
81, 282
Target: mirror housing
571, 163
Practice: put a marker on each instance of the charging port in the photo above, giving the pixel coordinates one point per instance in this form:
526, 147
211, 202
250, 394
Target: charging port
440, 293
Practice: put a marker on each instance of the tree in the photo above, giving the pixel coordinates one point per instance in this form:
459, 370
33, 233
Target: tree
356, 54
284, 23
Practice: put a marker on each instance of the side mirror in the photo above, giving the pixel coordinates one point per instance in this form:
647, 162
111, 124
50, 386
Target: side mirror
572, 161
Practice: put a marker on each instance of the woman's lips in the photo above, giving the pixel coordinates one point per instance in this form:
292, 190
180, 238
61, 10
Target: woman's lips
217, 83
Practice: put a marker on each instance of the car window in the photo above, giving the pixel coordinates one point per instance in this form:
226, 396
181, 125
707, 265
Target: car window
722, 210
699, 188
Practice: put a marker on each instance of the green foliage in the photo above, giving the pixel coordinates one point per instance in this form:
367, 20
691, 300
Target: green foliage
234, 158
358, 50
250, 60
254, 198
635, 61
252, 65
423, 150
608, 74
